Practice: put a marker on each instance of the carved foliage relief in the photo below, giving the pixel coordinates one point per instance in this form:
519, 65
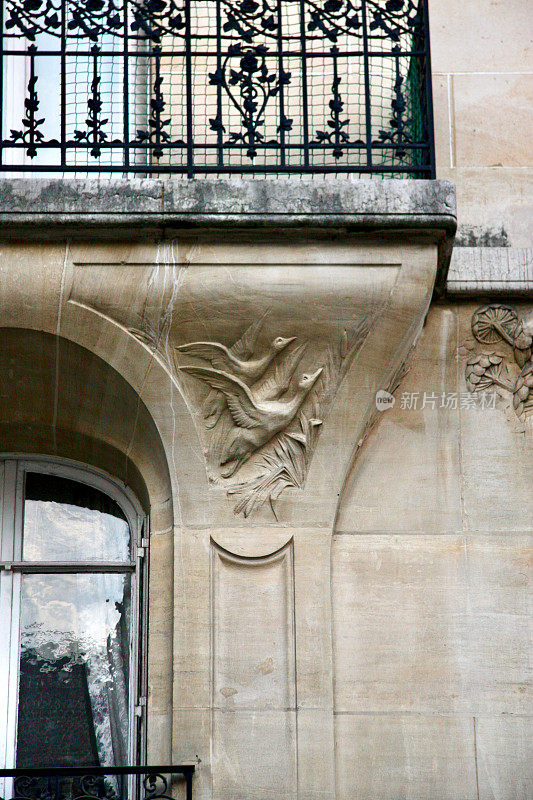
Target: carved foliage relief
505, 361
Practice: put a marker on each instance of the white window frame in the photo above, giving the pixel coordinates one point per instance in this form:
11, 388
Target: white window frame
14, 94
12, 567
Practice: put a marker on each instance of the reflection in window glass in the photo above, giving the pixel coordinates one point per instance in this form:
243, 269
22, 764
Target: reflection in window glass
68, 521
74, 670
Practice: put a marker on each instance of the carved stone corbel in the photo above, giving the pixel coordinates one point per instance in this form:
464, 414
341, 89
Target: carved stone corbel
257, 342
281, 391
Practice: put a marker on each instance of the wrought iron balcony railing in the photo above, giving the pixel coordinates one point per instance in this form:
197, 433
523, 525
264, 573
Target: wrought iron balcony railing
216, 86
96, 783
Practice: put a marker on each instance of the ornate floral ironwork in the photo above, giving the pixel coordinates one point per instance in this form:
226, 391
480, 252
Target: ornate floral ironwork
94, 134
30, 17
157, 134
247, 19
154, 19
256, 85
337, 135
400, 130
93, 18
395, 19
86, 18
261, 55
334, 18
30, 133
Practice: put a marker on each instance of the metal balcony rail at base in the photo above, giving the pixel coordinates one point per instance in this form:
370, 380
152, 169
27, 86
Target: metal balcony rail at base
96, 783
200, 87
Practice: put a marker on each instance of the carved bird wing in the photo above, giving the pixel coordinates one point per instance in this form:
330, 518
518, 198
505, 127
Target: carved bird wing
279, 379
217, 354
244, 348
242, 407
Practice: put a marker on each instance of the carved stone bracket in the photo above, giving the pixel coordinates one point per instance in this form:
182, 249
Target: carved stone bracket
278, 366
257, 331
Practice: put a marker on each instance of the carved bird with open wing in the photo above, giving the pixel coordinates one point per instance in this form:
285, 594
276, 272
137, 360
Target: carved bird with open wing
236, 360
256, 422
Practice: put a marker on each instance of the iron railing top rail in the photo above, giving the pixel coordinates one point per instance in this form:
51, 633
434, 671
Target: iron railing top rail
200, 87
43, 772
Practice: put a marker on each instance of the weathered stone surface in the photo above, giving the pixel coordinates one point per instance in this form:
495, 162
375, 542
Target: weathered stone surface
504, 757
494, 37
255, 755
491, 270
48, 209
443, 129
407, 475
489, 110
481, 90
495, 205
21, 286
412, 757
431, 624
174, 202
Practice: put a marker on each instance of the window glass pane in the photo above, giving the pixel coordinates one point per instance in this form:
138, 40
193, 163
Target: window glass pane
68, 521
74, 670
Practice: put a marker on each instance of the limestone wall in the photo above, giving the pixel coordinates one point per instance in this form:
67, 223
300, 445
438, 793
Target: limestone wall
339, 611
431, 587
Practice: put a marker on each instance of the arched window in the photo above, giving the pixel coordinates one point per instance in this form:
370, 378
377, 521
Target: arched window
71, 575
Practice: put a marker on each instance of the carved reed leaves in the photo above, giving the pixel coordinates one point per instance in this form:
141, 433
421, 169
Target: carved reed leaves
286, 464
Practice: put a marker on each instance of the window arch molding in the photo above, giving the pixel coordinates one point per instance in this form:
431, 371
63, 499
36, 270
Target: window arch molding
92, 476
92, 653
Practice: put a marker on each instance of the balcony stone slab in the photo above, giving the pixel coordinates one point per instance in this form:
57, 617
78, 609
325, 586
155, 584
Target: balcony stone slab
151, 209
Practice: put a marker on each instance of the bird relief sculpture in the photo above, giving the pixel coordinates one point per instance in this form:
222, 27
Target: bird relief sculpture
261, 402
498, 323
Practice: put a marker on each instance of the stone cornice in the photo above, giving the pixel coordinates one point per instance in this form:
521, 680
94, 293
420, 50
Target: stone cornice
42, 209
176, 203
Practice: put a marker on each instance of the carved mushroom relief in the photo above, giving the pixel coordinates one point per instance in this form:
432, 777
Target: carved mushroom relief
500, 323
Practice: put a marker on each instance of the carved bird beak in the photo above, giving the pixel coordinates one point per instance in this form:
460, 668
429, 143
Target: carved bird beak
289, 340
317, 374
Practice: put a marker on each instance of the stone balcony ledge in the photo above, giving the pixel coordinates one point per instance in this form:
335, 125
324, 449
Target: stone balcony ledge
50, 209
159, 204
